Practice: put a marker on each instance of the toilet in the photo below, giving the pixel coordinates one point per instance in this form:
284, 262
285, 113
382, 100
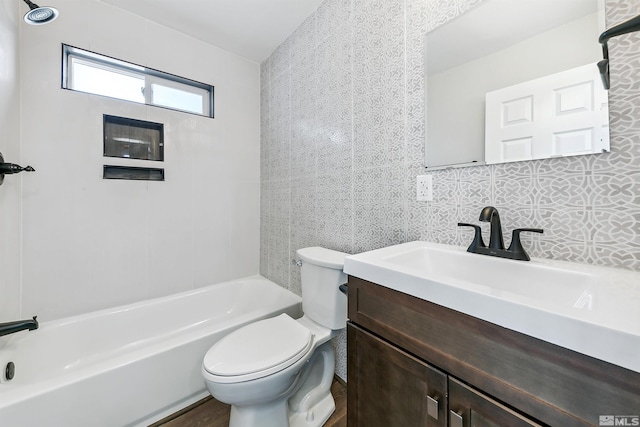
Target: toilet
278, 372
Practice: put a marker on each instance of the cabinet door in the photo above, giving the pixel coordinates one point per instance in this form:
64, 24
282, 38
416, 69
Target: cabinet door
470, 408
388, 387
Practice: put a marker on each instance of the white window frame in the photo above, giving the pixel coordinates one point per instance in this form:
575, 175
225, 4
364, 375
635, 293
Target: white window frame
150, 76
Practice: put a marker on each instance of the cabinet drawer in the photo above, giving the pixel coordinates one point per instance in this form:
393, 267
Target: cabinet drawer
554, 385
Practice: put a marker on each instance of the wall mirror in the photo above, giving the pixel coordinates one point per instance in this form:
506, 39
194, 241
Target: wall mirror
515, 80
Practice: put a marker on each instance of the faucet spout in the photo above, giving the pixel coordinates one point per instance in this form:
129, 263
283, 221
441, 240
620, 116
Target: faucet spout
17, 326
490, 214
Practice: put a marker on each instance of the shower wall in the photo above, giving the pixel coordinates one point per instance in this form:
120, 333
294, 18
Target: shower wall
88, 243
10, 148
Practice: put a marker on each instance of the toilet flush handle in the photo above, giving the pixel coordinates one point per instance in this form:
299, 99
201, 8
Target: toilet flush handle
297, 262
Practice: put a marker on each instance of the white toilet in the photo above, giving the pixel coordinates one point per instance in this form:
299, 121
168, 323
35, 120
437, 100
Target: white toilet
278, 372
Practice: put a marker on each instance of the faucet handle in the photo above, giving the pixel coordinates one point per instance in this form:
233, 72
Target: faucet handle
516, 245
477, 238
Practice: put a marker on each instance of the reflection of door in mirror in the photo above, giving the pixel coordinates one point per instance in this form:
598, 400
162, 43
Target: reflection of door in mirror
496, 45
563, 114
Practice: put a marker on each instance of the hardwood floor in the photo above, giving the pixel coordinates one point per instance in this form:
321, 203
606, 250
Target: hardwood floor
209, 412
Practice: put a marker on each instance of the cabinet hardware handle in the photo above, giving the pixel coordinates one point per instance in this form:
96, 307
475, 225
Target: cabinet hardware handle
455, 419
432, 406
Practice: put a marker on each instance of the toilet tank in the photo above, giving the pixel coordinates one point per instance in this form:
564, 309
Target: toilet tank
321, 275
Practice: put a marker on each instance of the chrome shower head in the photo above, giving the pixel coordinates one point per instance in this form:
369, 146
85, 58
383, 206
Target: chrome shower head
40, 15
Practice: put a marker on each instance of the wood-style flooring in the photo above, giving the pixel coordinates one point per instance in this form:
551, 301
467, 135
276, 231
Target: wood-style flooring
209, 412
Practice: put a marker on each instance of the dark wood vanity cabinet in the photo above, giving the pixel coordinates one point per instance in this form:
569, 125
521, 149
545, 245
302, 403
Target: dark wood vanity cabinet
391, 387
415, 363
469, 407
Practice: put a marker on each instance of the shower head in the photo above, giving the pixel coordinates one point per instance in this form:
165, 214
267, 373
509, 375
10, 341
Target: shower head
40, 15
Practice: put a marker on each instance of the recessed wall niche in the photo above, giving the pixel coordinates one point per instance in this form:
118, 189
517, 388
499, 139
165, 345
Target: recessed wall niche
133, 139
132, 173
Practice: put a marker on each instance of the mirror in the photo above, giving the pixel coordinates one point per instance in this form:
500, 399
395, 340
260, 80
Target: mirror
515, 80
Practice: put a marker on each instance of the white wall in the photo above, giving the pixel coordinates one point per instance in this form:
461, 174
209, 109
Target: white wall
89, 243
10, 148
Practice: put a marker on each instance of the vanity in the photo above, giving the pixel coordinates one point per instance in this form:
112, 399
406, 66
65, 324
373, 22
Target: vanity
441, 337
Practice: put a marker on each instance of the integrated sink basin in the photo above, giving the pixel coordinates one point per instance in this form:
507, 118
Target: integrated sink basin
589, 309
528, 282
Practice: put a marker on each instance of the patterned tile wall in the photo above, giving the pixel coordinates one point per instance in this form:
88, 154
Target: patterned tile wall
342, 143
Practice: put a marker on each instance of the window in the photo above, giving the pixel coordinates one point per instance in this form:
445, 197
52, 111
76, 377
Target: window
90, 72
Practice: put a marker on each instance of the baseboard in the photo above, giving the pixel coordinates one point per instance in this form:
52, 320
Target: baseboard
340, 380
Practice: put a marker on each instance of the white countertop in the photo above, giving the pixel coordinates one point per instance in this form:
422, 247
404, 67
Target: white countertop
588, 309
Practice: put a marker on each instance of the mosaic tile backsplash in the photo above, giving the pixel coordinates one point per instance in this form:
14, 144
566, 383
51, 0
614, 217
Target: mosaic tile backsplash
343, 140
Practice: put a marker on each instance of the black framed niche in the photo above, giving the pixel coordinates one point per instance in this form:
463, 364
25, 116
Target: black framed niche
126, 138
132, 173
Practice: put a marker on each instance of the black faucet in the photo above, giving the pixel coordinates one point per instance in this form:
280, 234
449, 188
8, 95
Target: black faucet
20, 325
496, 242
490, 214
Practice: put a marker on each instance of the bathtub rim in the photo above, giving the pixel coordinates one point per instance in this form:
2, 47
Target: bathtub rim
16, 392
133, 305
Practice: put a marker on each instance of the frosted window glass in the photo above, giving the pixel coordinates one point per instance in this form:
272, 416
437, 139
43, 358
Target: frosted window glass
176, 98
88, 78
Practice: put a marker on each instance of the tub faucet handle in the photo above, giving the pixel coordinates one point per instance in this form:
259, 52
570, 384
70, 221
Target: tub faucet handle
11, 168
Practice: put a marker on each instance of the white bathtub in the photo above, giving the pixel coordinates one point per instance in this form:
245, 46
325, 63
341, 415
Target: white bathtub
130, 365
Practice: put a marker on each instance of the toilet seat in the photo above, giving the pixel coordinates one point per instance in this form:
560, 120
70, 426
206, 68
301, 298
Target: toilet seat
258, 349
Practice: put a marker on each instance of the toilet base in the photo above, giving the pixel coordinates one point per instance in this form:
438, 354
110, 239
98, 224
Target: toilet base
273, 414
307, 402
312, 404
276, 414
316, 416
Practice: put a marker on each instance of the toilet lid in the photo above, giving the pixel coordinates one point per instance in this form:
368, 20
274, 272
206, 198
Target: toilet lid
267, 345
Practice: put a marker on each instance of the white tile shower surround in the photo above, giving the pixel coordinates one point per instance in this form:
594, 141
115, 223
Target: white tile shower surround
342, 129
86, 243
9, 133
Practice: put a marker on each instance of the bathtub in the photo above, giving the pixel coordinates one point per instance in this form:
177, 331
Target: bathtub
130, 365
